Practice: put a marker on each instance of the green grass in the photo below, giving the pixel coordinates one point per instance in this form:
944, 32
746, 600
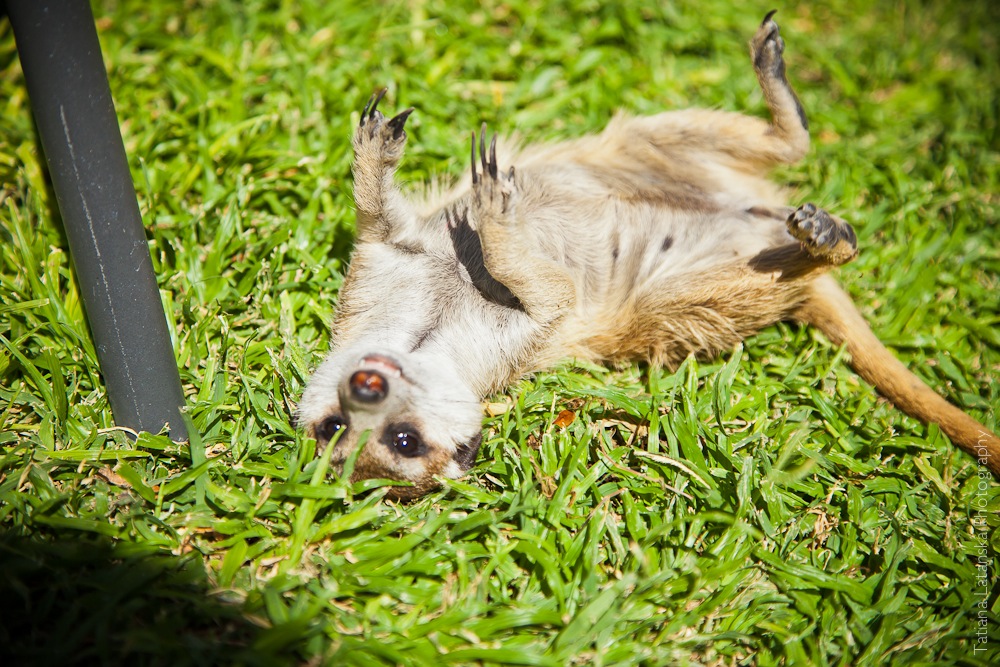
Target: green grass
764, 508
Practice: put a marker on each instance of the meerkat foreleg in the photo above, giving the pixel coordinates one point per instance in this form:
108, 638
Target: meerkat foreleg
543, 288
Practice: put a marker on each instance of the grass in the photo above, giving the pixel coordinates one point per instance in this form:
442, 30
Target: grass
765, 507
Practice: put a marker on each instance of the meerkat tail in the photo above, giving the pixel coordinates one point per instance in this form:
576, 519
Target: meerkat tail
833, 312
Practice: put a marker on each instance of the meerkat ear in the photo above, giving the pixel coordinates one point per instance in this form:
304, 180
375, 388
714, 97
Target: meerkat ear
465, 455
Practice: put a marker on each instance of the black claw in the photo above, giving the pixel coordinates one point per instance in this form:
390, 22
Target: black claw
475, 176
847, 233
768, 17
398, 121
487, 160
482, 148
364, 114
372, 105
378, 99
493, 157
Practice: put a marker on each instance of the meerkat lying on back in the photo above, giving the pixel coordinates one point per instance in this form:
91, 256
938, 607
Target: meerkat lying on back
656, 239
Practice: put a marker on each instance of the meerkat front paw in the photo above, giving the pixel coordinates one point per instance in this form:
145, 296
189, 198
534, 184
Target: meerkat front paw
377, 138
823, 235
767, 48
493, 191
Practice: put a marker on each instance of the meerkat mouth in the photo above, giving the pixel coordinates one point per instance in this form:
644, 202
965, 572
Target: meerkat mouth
381, 363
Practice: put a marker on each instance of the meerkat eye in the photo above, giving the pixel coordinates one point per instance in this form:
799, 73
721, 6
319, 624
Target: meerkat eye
329, 427
405, 441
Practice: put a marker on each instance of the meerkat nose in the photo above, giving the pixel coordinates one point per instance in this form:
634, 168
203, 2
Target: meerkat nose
369, 386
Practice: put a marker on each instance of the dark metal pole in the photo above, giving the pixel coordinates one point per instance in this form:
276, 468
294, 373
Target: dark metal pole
71, 99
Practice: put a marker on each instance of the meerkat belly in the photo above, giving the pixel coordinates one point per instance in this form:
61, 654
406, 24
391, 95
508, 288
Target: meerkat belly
654, 249
618, 225
663, 281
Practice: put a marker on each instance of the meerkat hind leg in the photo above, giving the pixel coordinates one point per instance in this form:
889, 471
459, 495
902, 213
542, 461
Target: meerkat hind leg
787, 138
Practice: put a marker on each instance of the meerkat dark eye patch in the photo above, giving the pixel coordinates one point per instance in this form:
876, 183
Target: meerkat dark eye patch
329, 427
405, 440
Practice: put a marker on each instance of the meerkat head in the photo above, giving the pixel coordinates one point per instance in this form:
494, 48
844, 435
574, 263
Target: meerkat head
421, 421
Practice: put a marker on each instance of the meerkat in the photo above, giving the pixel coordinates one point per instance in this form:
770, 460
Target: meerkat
658, 238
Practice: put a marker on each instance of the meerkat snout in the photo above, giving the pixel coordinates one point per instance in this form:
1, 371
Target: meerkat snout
371, 381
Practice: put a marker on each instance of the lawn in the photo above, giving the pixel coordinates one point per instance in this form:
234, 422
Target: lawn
764, 507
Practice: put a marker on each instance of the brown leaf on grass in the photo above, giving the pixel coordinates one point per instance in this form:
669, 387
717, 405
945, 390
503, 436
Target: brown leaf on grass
111, 477
564, 418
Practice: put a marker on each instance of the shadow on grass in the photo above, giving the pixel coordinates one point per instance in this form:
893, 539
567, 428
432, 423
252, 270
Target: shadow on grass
92, 601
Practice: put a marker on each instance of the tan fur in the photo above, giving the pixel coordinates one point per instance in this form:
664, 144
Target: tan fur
655, 239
